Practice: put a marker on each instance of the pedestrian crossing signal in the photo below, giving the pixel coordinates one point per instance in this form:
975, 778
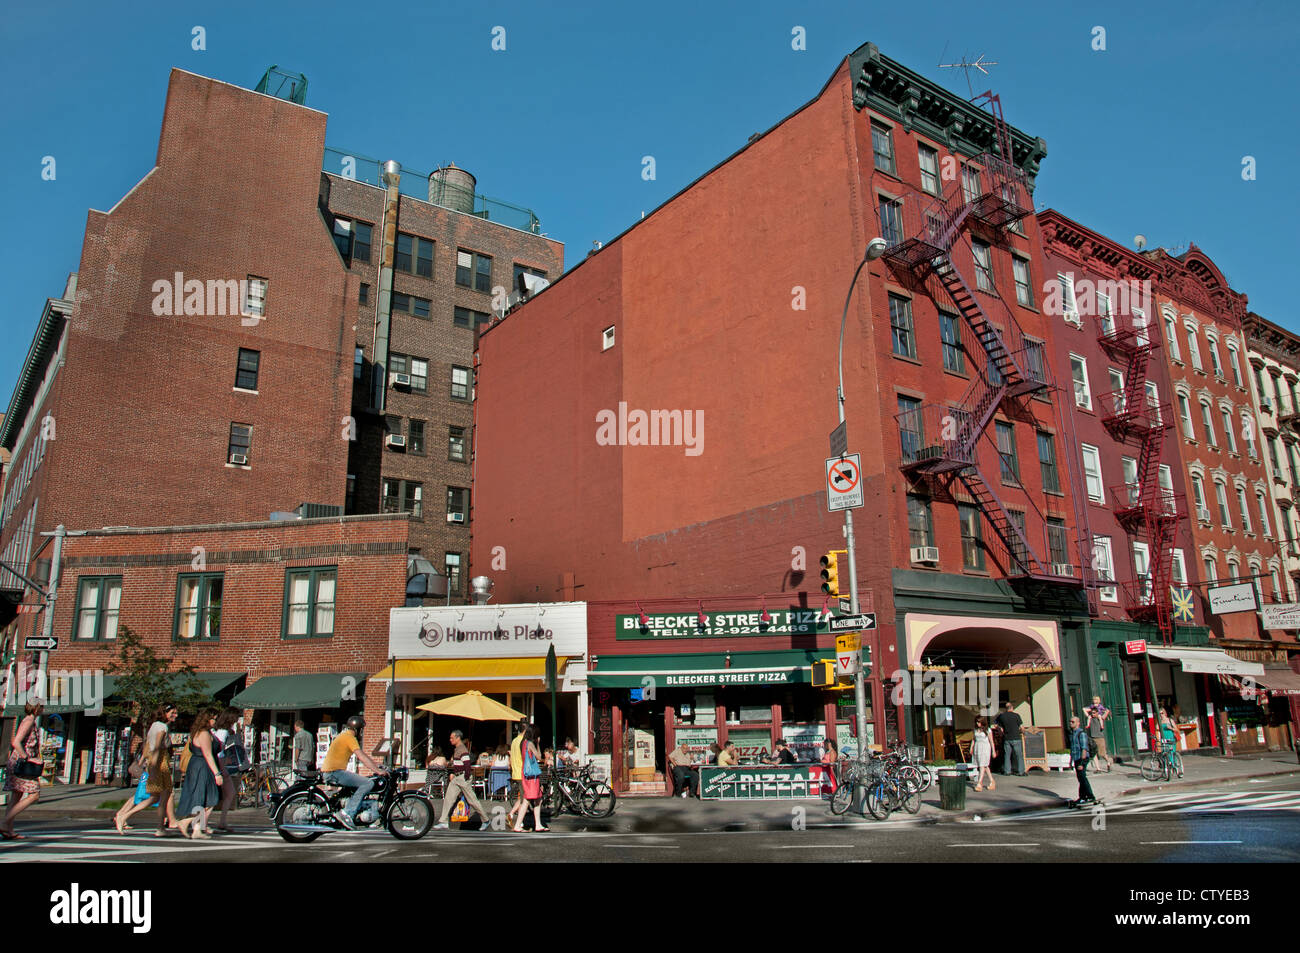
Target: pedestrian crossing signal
823, 673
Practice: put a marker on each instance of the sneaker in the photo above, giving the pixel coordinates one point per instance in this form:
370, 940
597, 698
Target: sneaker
342, 818
441, 827
683, 794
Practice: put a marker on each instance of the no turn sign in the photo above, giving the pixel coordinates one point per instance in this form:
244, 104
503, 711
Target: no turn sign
844, 482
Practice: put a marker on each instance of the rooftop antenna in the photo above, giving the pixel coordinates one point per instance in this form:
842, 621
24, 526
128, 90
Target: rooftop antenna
967, 65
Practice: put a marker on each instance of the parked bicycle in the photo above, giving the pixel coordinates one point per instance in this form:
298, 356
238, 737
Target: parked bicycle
1163, 764
581, 792
258, 784
854, 774
889, 793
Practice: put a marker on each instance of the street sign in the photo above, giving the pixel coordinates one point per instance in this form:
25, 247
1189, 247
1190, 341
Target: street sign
1138, 647
848, 643
844, 482
846, 605
1284, 616
35, 643
846, 623
847, 663
839, 440
1235, 598
30, 607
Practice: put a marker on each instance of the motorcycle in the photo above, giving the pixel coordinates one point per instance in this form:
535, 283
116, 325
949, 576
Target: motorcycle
305, 810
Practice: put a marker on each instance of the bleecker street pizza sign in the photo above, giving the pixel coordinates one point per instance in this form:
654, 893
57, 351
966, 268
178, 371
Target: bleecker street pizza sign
672, 626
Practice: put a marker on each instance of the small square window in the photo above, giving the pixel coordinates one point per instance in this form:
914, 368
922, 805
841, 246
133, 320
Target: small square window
255, 296
607, 338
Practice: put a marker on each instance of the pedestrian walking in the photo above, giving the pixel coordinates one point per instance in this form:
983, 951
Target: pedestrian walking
1098, 714
201, 788
831, 759
532, 782
304, 747
982, 750
517, 774
23, 768
460, 769
1013, 761
233, 759
1079, 758
155, 783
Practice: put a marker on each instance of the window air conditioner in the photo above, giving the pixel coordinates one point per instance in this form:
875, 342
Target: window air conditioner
455, 517
1203, 514
239, 459
400, 380
925, 554
396, 441
1062, 569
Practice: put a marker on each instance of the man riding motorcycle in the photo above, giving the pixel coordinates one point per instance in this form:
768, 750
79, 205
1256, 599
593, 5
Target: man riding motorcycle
334, 770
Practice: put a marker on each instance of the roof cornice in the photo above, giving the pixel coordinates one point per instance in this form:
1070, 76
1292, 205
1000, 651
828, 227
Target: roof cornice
44, 343
1059, 230
892, 89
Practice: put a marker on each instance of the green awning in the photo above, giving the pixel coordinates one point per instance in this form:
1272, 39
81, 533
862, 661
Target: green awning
212, 682
287, 692
17, 711
786, 667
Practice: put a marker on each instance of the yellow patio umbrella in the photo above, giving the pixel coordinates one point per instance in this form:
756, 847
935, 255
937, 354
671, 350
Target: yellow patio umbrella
473, 705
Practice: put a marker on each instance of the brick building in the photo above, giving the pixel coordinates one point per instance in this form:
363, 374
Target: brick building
681, 413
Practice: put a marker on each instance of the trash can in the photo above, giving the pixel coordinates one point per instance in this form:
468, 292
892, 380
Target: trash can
952, 789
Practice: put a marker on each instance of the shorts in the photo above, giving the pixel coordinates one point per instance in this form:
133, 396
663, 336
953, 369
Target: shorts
1101, 747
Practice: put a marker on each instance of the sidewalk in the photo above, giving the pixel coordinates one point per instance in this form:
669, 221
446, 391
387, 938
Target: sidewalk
659, 814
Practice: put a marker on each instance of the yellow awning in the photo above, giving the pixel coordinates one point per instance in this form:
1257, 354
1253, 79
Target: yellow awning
459, 670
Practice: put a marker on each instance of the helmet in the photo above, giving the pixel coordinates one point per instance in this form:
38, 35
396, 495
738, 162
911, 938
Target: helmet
356, 723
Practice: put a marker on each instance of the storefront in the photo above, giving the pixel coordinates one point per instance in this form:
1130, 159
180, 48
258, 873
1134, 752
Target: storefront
959, 668
1259, 708
322, 700
500, 651
1180, 680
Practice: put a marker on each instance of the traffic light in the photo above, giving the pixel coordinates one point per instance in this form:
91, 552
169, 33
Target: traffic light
823, 673
831, 571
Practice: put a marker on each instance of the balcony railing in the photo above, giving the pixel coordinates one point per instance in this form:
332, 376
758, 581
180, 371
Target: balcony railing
1132, 505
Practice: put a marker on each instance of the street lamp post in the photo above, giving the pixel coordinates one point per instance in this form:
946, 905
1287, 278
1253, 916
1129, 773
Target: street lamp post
875, 248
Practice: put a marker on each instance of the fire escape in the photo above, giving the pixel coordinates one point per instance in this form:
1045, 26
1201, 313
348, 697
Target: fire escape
940, 440
1143, 507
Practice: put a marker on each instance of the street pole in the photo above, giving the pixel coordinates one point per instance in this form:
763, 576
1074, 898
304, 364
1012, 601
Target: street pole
52, 594
874, 249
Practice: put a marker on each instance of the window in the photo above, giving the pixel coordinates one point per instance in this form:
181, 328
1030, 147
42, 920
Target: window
358, 362
246, 369
1198, 495
954, 359
929, 161
457, 504
1153, 401
1129, 467
983, 265
198, 607
350, 495
1024, 290
364, 296
1228, 428
900, 324
1277, 586
920, 527
1263, 514
98, 600
392, 425
1117, 389
1234, 571
451, 563
1142, 567
241, 444
456, 444
1008, 461
1209, 423
255, 296
1264, 402
353, 240
910, 429
1069, 307
1194, 348
1104, 565
1047, 462
402, 496
473, 270
1234, 361
1079, 371
1295, 471
1104, 315
409, 304
459, 383
1179, 568
972, 537
1035, 360
1214, 358
414, 255
891, 220
1092, 473
1282, 397
465, 318
882, 147
1185, 411
417, 368
1244, 508
970, 183
309, 603
607, 338
1272, 455
1171, 335
525, 270
415, 437
1211, 570
1248, 434
1057, 546
1221, 496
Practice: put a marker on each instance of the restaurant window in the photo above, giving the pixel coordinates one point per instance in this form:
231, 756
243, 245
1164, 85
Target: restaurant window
99, 599
198, 607
309, 603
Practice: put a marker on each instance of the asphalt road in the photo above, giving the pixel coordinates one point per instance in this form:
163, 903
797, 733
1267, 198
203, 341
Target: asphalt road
1222, 824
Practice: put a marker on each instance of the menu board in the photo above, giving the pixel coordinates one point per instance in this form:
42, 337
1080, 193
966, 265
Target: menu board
1035, 748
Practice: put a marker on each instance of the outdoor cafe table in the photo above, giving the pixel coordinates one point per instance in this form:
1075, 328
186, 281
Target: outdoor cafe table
767, 782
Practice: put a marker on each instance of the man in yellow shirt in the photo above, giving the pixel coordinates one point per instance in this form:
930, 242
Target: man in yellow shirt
334, 769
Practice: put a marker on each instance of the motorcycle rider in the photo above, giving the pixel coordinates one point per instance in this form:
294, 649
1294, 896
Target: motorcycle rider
334, 769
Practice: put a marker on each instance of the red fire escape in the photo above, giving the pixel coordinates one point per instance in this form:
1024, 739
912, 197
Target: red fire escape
939, 440
1143, 507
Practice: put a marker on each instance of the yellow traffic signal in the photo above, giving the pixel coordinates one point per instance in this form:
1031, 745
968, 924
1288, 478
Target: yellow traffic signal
823, 673
831, 571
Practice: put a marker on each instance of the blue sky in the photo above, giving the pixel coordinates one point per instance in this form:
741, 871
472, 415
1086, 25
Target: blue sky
1147, 136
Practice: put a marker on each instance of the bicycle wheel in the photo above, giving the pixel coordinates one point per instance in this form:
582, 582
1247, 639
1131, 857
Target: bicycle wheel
911, 800
410, 817
270, 785
1176, 763
911, 778
301, 808
1151, 767
597, 799
247, 796
842, 798
880, 800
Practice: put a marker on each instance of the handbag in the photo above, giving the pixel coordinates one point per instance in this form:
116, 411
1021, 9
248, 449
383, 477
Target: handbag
25, 769
531, 768
136, 770
141, 789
